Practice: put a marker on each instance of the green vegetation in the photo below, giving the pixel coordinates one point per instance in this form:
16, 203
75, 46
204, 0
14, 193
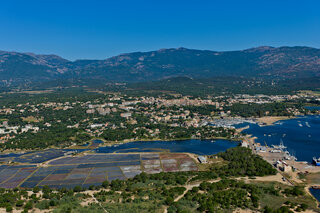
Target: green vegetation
259, 110
55, 137
167, 133
75, 111
242, 162
220, 196
214, 190
63, 117
295, 191
226, 86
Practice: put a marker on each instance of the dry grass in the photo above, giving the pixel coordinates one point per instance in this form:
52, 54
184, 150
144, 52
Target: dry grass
313, 178
276, 202
31, 119
309, 92
269, 120
211, 162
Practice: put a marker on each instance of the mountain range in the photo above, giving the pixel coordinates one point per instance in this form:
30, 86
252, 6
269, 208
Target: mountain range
265, 61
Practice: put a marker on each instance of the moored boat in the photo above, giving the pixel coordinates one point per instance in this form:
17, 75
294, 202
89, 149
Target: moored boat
316, 161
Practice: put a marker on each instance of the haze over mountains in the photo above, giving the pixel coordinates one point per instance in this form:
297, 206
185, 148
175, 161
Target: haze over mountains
287, 62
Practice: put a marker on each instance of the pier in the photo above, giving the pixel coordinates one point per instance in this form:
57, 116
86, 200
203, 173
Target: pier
277, 155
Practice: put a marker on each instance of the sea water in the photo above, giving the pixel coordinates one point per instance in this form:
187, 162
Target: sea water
301, 135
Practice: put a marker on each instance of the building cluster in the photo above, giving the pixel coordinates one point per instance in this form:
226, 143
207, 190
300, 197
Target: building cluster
7, 132
173, 111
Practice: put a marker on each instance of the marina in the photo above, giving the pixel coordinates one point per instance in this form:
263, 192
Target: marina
289, 145
273, 142
316, 161
303, 141
231, 122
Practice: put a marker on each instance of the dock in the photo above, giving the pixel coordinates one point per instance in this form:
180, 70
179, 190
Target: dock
277, 153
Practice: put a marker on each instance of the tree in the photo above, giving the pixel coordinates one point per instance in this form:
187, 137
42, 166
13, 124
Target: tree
169, 201
19, 203
8, 207
36, 189
28, 206
105, 184
77, 189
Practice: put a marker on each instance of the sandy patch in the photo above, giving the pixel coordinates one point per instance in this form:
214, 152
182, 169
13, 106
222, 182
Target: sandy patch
269, 120
272, 178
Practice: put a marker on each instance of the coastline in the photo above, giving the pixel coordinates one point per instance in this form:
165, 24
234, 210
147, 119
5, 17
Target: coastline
111, 143
270, 120
266, 120
249, 138
307, 189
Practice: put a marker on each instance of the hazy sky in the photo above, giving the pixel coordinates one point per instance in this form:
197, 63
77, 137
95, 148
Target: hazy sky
95, 29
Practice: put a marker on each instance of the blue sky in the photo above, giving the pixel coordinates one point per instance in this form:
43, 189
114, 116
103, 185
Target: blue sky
98, 29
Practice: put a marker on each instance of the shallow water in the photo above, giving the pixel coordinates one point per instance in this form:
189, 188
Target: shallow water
315, 193
313, 107
200, 147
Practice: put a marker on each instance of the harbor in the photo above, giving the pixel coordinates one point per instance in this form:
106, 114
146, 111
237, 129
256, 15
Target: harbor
302, 142
278, 156
300, 166
231, 122
286, 145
